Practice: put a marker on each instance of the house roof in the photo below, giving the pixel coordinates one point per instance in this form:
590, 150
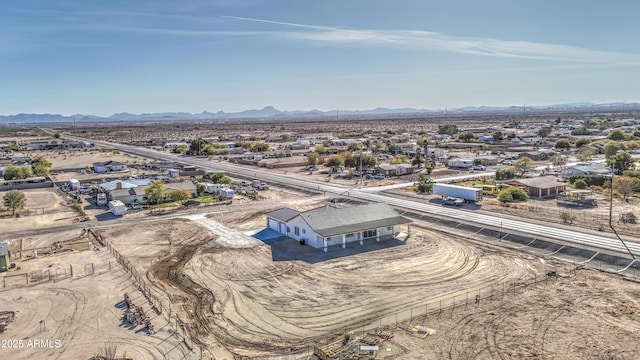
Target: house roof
135, 191
113, 185
283, 214
592, 168
387, 167
183, 185
107, 163
540, 182
329, 221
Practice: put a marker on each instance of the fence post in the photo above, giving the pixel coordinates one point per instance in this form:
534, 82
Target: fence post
26, 277
4, 282
71, 269
92, 269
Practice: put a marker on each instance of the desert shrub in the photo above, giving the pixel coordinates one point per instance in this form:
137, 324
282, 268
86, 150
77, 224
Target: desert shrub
580, 184
512, 194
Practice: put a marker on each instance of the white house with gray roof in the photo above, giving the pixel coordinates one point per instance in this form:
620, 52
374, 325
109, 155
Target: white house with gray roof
327, 226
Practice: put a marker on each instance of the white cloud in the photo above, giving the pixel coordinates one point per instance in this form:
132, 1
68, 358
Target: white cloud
434, 41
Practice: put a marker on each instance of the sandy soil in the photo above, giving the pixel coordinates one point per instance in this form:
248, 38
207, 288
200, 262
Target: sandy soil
587, 315
78, 317
80, 158
240, 297
45, 207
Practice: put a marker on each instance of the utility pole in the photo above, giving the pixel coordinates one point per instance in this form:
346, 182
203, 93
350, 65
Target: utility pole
611, 215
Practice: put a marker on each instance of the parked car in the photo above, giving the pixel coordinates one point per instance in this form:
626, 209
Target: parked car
479, 167
134, 205
450, 201
378, 177
190, 203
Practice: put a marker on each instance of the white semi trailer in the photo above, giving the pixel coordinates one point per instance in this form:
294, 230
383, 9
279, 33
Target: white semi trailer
468, 194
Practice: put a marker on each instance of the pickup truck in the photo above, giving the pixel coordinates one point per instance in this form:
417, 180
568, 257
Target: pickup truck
451, 201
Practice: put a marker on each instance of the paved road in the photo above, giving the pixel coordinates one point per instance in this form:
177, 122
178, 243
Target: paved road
492, 221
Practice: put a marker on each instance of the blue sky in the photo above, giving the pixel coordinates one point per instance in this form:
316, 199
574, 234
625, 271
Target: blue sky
103, 57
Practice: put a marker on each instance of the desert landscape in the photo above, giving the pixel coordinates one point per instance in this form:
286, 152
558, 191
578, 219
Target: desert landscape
434, 295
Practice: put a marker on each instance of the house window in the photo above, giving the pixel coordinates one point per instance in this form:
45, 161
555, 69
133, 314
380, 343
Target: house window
369, 234
389, 228
296, 230
304, 231
288, 229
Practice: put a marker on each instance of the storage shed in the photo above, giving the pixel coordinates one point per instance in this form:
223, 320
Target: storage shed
4, 257
117, 207
73, 184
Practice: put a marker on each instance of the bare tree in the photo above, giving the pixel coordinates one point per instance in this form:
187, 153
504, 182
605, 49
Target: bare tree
523, 165
625, 185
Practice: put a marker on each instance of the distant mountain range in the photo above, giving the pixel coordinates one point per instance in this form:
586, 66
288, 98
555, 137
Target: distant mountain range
270, 112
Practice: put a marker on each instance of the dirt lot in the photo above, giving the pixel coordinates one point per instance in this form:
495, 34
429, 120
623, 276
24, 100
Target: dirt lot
79, 312
239, 297
44, 208
245, 298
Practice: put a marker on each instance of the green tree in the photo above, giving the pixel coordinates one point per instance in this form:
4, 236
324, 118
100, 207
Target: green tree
17, 172
40, 166
155, 192
562, 144
523, 165
512, 194
312, 158
466, 136
626, 185
448, 129
56, 135
498, 136
417, 161
320, 149
425, 185
505, 174
611, 148
78, 209
399, 159
196, 146
558, 160
359, 160
632, 173
584, 155
543, 132
582, 142
354, 147
201, 188
179, 195
181, 149
580, 184
620, 162
366, 143
219, 178
334, 161
580, 131
631, 145
14, 200
616, 135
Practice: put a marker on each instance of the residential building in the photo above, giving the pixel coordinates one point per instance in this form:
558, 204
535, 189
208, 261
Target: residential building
328, 226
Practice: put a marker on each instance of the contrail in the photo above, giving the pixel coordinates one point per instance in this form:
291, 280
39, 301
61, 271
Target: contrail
310, 27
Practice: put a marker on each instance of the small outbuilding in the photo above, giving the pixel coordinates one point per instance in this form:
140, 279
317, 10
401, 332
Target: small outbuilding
4, 257
73, 184
117, 207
